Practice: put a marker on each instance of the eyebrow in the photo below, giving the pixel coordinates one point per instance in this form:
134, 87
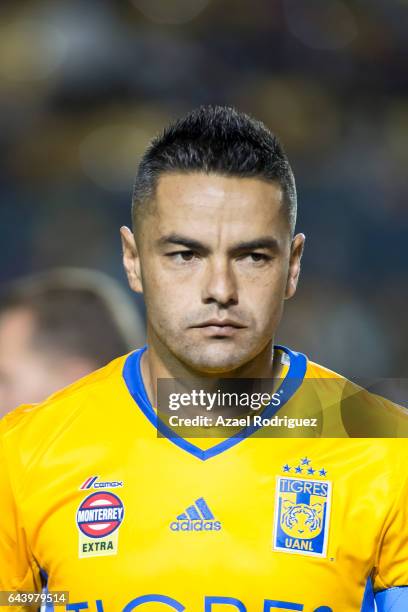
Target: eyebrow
264, 242
189, 243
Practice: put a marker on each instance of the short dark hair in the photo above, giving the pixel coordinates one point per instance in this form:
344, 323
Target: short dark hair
219, 140
77, 313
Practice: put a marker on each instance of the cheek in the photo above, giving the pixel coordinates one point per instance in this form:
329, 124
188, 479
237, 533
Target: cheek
165, 300
271, 314
265, 298
164, 287
268, 281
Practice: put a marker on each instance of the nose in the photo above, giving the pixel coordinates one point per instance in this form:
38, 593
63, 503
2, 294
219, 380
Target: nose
220, 284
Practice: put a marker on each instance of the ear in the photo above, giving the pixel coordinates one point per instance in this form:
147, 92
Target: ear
131, 259
296, 252
287, 504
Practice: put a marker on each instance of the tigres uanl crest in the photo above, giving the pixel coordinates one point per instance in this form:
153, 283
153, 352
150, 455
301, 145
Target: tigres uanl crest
302, 516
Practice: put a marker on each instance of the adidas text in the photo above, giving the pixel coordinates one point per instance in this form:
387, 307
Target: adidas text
195, 525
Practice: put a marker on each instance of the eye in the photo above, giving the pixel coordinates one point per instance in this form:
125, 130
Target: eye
181, 256
255, 257
258, 257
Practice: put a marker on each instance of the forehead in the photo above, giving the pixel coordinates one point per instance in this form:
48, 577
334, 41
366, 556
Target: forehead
211, 203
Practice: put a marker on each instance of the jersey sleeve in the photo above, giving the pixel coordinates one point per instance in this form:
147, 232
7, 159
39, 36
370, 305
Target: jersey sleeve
392, 559
18, 569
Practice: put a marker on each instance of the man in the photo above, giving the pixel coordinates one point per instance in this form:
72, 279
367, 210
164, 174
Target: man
103, 498
50, 331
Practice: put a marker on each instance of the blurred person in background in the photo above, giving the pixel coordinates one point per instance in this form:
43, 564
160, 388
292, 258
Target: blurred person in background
59, 326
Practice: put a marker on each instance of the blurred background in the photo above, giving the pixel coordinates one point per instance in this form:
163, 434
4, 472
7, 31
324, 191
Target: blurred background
86, 83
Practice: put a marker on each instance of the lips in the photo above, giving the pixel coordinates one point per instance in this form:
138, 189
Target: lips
221, 323
220, 328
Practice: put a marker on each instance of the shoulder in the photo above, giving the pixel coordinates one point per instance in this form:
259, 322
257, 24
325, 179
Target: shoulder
316, 370
362, 413
30, 428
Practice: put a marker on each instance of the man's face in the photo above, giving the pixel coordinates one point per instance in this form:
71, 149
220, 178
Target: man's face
215, 261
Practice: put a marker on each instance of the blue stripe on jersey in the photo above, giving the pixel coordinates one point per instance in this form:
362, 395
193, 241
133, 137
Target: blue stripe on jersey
134, 382
368, 599
392, 600
47, 606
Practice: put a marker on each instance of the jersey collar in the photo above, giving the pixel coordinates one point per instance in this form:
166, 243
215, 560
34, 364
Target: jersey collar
134, 382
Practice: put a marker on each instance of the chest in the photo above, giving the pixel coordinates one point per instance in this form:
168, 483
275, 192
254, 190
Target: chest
264, 523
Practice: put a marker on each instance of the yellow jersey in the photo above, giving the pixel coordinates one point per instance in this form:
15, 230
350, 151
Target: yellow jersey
99, 499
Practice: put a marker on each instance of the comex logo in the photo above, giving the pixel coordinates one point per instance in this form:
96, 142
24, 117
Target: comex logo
197, 517
93, 483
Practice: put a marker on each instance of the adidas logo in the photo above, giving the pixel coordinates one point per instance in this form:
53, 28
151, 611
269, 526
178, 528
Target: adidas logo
197, 517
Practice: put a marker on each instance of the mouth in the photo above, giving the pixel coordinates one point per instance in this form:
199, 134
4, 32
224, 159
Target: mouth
220, 328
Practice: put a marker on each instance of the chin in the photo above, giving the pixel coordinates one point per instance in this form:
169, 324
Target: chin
210, 361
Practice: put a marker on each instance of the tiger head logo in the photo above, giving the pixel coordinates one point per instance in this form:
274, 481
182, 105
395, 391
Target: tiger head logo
301, 520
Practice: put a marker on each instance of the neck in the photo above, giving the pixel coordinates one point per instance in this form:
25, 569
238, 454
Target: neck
158, 362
